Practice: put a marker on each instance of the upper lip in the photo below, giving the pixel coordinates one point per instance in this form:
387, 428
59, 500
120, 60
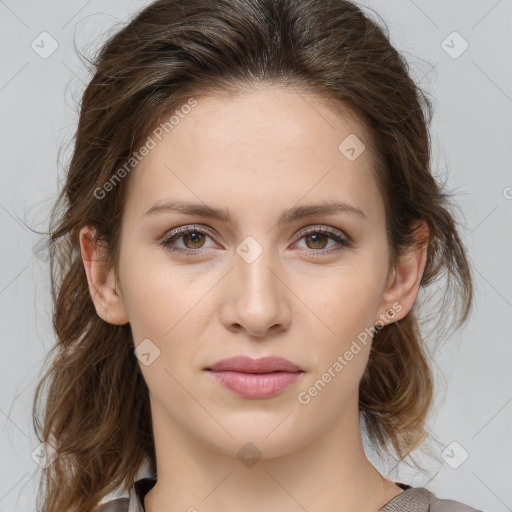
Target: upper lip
248, 365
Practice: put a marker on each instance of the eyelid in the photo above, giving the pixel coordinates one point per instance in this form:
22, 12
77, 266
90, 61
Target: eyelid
193, 227
176, 233
319, 228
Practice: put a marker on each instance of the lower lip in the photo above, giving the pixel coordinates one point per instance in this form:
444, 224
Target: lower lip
256, 385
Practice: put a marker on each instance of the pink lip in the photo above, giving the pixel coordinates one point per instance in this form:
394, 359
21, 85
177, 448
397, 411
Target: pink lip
256, 378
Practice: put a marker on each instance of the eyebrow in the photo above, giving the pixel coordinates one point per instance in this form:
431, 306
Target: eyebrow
221, 214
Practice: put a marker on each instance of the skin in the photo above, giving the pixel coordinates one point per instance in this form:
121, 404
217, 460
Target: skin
256, 154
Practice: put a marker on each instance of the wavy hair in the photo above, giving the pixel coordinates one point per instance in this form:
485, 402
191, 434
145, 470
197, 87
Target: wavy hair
92, 403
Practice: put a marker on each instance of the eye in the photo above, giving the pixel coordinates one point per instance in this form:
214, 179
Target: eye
317, 238
193, 239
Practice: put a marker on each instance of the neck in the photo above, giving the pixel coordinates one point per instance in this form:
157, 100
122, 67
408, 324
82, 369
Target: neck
331, 473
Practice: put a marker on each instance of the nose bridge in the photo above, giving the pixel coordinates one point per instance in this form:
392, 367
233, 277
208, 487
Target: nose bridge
253, 263
256, 300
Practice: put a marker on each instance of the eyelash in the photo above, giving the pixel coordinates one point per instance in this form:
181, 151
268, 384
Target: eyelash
343, 242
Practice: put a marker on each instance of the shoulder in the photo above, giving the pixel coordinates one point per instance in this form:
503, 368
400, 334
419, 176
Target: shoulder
117, 505
420, 499
442, 505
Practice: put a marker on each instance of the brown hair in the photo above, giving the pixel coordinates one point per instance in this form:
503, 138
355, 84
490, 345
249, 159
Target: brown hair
96, 410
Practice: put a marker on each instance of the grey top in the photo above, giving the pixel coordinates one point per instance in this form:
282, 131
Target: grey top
412, 499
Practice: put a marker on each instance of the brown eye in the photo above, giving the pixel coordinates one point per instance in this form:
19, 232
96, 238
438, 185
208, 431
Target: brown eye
191, 239
196, 240
319, 240
316, 240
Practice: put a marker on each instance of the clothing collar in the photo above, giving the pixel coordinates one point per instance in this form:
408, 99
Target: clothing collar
412, 499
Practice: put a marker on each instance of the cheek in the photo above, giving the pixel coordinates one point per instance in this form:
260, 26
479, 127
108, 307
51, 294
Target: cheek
157, 295
346, 303
341, 353
347, 300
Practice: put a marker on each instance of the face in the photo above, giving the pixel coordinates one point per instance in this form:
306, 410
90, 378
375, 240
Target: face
260, 281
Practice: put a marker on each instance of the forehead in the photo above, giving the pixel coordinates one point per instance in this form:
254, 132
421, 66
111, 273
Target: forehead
273, 144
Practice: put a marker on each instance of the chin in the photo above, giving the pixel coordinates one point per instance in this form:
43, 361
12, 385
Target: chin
261, 440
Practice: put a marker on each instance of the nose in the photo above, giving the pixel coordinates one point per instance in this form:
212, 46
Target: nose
256, 299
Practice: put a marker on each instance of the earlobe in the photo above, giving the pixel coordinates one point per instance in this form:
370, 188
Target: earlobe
404, 284
102, 284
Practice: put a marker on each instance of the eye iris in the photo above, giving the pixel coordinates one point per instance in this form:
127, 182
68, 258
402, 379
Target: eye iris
316, 239
194, 236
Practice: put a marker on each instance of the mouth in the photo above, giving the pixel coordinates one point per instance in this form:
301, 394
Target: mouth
255, 378
246, 364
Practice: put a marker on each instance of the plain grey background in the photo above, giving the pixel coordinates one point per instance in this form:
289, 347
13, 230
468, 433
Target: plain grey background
471, 133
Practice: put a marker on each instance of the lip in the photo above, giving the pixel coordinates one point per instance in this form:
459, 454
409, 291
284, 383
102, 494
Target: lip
246, 364
255, 378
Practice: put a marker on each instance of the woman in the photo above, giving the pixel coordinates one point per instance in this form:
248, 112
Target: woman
247, 220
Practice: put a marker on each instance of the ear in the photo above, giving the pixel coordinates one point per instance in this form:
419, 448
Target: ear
102, 285
404, 282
